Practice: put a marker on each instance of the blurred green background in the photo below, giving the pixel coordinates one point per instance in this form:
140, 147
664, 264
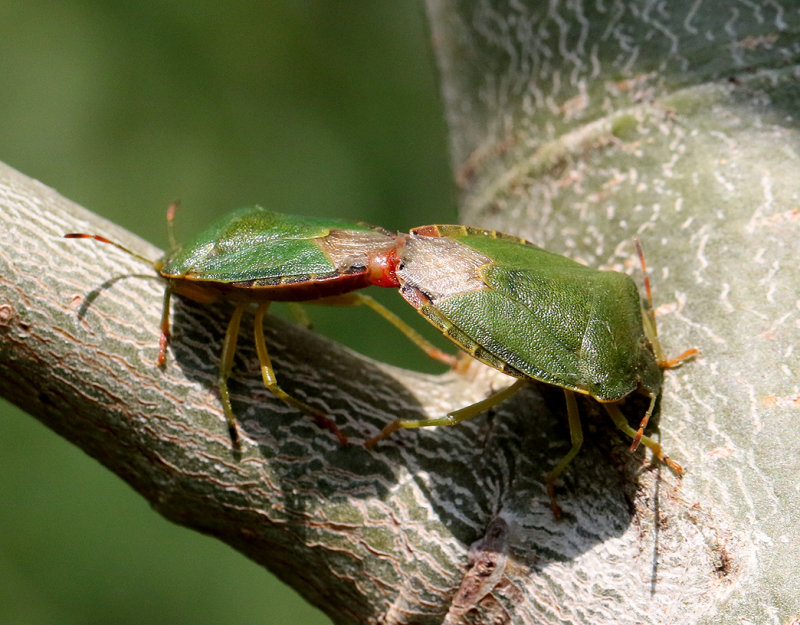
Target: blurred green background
310, 107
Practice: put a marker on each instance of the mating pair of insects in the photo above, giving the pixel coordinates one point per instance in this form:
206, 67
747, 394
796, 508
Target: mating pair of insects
529, 313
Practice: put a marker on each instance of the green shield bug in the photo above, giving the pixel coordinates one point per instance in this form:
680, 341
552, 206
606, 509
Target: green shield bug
533, 315
254, 255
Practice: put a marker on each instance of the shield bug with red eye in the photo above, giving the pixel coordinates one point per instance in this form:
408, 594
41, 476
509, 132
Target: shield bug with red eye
255, 255
533, 315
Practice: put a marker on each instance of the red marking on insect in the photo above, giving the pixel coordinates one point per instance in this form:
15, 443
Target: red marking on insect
381, 270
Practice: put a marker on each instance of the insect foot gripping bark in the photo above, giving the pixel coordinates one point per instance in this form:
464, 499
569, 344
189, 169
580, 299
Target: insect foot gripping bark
574, 327
257, 256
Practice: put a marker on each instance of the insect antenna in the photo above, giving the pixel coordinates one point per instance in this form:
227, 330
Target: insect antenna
649, 312
162, 348
173, 242
102, 239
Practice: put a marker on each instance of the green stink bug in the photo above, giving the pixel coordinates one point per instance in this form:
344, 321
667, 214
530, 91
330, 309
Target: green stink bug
257, 255
534, 315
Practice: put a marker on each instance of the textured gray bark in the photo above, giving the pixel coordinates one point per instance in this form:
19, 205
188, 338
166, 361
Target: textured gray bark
357, 532
577, 126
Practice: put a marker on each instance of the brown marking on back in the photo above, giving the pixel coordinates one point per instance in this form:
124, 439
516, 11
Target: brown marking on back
441, 267
350, 250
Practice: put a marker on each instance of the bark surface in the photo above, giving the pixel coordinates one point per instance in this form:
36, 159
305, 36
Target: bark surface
578, 126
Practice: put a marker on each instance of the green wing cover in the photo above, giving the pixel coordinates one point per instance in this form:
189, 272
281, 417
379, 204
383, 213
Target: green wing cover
555, 320
254, 243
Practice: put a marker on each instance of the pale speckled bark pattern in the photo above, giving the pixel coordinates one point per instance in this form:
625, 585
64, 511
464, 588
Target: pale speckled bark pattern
359, 533
378, 536
579, 125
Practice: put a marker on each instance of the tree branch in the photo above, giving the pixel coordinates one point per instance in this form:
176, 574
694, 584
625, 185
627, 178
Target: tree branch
345, 526
577, 131
580, 125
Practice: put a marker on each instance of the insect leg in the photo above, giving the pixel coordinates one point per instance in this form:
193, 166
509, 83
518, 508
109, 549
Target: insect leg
673, 363
164, 338
576, 436
226, 364
664, 364
452, 418
357, 299
651, 332
300, 315
622, 424
271, 382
